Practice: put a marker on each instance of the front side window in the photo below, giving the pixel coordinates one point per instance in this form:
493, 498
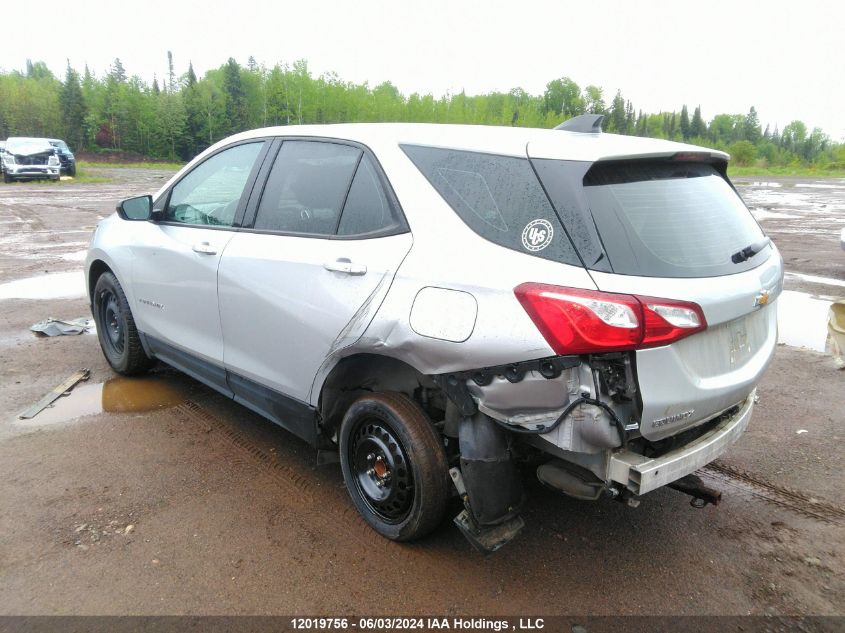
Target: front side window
498, 197
307, 187
210, 193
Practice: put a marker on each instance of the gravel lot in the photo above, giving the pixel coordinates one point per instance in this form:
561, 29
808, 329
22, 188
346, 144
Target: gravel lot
177, 501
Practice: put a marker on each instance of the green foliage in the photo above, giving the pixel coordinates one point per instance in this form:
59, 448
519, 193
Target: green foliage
73, 108
743, 152
697, 128
180, 116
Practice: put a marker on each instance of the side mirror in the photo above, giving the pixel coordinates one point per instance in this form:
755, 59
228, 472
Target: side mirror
140, 208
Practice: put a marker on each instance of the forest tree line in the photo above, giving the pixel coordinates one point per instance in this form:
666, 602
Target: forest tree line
180, 115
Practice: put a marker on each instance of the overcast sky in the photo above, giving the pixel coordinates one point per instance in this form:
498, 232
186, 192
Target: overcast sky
785, 58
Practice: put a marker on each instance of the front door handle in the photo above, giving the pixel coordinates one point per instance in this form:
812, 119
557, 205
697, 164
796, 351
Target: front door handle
345, 265
204, 248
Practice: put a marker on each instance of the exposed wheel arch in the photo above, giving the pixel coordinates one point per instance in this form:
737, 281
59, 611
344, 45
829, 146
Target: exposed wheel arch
360, 373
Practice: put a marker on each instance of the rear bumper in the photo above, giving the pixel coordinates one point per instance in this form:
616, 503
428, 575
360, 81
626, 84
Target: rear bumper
641, 474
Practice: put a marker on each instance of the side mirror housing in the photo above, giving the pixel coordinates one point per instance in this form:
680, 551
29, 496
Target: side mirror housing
138, 209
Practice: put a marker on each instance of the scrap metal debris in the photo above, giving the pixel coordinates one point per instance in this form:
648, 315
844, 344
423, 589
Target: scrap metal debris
62, 390
59, 327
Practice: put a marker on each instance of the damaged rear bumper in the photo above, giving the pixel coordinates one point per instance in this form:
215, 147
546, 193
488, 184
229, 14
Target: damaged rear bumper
641, 474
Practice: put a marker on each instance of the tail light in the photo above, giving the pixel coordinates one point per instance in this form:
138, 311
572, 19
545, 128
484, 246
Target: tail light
577, 321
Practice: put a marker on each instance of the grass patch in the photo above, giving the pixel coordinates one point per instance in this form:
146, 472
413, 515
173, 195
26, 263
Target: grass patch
144, 165
83, 176
798, 172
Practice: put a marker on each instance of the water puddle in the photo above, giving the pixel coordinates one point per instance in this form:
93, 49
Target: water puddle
802, 320
757, 183
825, 281
118, 395
765, 214
52, 286
817, 185
78, 256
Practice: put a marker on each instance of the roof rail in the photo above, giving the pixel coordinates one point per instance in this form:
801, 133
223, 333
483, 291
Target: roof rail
585, 123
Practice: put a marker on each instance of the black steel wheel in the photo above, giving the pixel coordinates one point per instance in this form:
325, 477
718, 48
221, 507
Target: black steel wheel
116, 329
394, 465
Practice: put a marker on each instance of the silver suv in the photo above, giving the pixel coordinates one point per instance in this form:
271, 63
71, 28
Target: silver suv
439, 307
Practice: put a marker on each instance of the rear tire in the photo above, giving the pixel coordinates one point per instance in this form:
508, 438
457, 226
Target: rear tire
7, 178
116, 329
394, 465
72, 171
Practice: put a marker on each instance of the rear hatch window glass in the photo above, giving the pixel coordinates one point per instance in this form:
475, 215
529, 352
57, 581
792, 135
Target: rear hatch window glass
498, 197
668, 218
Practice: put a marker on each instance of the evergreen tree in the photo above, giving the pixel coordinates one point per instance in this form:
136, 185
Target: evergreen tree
73, 107
190, 76
236, 112
751, 128
117, 72
630, 123
698, 128
617, 114
156, 89
685, 123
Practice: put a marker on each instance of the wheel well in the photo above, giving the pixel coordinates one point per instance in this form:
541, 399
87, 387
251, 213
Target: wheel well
361, 373
98, 267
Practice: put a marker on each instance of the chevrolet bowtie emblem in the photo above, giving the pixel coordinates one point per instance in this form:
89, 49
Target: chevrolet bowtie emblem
761, 299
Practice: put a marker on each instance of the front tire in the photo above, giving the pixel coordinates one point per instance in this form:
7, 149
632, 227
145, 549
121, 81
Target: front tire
116, 329
394, 465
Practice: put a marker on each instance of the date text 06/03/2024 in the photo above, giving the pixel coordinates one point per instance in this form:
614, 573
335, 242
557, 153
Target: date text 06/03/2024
420, 624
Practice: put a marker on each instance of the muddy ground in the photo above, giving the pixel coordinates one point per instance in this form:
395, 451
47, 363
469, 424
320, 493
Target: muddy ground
201, 507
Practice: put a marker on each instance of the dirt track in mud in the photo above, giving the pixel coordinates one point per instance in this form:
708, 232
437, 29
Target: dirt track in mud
205, 508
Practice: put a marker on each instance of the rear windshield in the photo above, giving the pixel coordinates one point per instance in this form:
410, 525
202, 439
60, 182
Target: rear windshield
666, 218
498, 197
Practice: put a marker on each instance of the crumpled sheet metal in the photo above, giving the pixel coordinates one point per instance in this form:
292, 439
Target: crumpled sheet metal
58, 327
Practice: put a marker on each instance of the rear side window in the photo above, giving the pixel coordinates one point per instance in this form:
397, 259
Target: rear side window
670, 219
367, 209
307, 187
498, 197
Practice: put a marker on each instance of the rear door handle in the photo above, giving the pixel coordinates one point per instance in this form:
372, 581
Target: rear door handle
344, 265
204, 248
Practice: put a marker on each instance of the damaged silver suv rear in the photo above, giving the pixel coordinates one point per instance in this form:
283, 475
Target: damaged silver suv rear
454, 307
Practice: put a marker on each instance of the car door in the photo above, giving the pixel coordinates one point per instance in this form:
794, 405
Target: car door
176, 257
305, 278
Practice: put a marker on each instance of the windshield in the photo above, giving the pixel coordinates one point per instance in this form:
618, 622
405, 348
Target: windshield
662, 218
28, 146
